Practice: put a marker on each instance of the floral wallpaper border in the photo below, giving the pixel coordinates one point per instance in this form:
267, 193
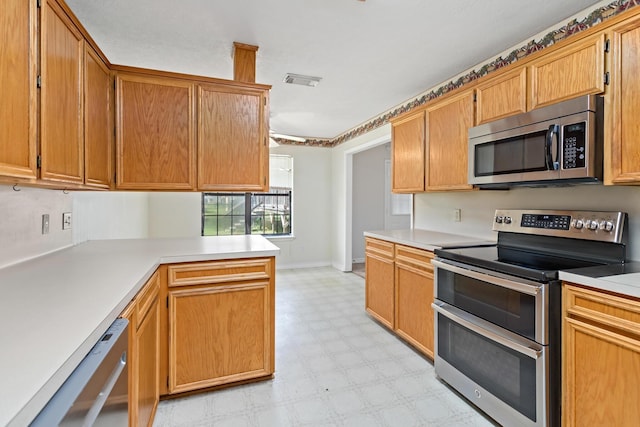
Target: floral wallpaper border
572, 27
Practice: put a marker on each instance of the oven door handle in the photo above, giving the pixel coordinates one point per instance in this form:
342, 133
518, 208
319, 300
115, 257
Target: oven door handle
505, 283
470, 322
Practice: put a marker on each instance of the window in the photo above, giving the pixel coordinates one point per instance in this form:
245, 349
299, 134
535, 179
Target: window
269, 214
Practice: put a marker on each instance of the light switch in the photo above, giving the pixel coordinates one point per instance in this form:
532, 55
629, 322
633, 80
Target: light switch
45, 223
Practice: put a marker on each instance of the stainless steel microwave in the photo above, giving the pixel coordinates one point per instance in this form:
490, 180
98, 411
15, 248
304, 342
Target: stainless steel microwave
553, 145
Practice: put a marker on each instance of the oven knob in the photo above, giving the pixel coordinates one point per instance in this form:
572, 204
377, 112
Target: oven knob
578, 224
499, 220
507, 220
592, 224
606, 225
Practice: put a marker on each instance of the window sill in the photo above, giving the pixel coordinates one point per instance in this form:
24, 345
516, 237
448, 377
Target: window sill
280, 238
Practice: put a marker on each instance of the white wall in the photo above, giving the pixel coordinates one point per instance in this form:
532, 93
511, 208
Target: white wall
341, 182
99, 215
434, 210
312, 209
175, 214
21, 223
368, 195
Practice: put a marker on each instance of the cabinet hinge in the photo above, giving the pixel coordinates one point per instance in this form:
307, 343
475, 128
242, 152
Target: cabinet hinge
38, 161
38, 82
475, 97
264, 181
607, 45
39, 3
167, 382
265, 101
167, 305
606, 78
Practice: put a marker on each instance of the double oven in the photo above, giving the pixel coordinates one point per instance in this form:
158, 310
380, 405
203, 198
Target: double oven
498, 309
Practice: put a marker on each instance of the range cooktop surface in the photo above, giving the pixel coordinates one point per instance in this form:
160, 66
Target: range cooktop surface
534, 266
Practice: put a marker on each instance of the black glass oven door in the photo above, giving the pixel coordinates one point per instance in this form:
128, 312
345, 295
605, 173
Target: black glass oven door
508, 370
517, 305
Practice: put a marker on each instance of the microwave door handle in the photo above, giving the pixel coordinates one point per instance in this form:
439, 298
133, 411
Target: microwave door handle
550, 150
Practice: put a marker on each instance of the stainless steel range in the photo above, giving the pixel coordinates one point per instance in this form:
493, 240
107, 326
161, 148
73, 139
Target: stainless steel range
497, 308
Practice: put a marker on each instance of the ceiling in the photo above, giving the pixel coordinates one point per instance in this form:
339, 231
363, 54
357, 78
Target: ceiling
372, 55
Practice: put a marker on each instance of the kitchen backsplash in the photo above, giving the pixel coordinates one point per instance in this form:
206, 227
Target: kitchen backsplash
21, 222
435, 211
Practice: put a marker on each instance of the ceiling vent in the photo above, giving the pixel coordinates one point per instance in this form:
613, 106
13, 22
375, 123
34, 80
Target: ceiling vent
299, 79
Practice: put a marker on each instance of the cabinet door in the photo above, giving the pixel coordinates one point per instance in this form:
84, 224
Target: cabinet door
503, 96
61, 109
413, 297
98, 121
221, 322
147, 354
218, 334
577, 69
232, 139
18, 87
448, 124
379, 284
601, 359
622, 151
407, 142
143, 355
155, 133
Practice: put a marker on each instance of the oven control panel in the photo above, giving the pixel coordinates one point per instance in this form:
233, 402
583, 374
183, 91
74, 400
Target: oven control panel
587, 225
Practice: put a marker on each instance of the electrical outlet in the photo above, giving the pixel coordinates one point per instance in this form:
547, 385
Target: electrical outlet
457, 215
66, 220
45, 223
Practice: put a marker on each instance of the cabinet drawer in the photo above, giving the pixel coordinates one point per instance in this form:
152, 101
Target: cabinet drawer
622, 314
147, 296
378, 248
412, 257
219, 272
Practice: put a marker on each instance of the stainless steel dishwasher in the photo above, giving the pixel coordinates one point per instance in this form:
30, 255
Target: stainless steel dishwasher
96, 392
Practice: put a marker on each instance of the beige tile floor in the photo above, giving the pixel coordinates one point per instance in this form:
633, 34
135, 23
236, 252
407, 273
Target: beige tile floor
335, 366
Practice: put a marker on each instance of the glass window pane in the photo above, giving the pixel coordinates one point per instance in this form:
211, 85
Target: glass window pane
257, 224
224, 225
238, 205
210, 226
237, 225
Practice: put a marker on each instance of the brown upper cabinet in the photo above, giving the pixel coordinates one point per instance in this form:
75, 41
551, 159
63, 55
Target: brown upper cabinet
573, 70
408, 153
98, 121
61, 108
18, 66
502, 96
232, 138
155, 133
448, 122
622, 107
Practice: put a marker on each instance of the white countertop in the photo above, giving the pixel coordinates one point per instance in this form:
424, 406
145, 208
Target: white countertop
620, 279
54, 308
426, 239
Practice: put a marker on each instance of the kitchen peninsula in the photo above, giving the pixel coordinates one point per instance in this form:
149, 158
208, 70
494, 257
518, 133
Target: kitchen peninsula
55, 307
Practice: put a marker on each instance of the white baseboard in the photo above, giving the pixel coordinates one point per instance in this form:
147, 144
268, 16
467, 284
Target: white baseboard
296, 265
358, 260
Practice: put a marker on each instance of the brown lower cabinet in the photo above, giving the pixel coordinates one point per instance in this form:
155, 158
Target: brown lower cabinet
413, 297
601, 358
379, 280
220, 321
399, 291
143, 358
199, 325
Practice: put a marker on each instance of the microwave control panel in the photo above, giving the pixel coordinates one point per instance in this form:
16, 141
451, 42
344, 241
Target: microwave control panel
574, 145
